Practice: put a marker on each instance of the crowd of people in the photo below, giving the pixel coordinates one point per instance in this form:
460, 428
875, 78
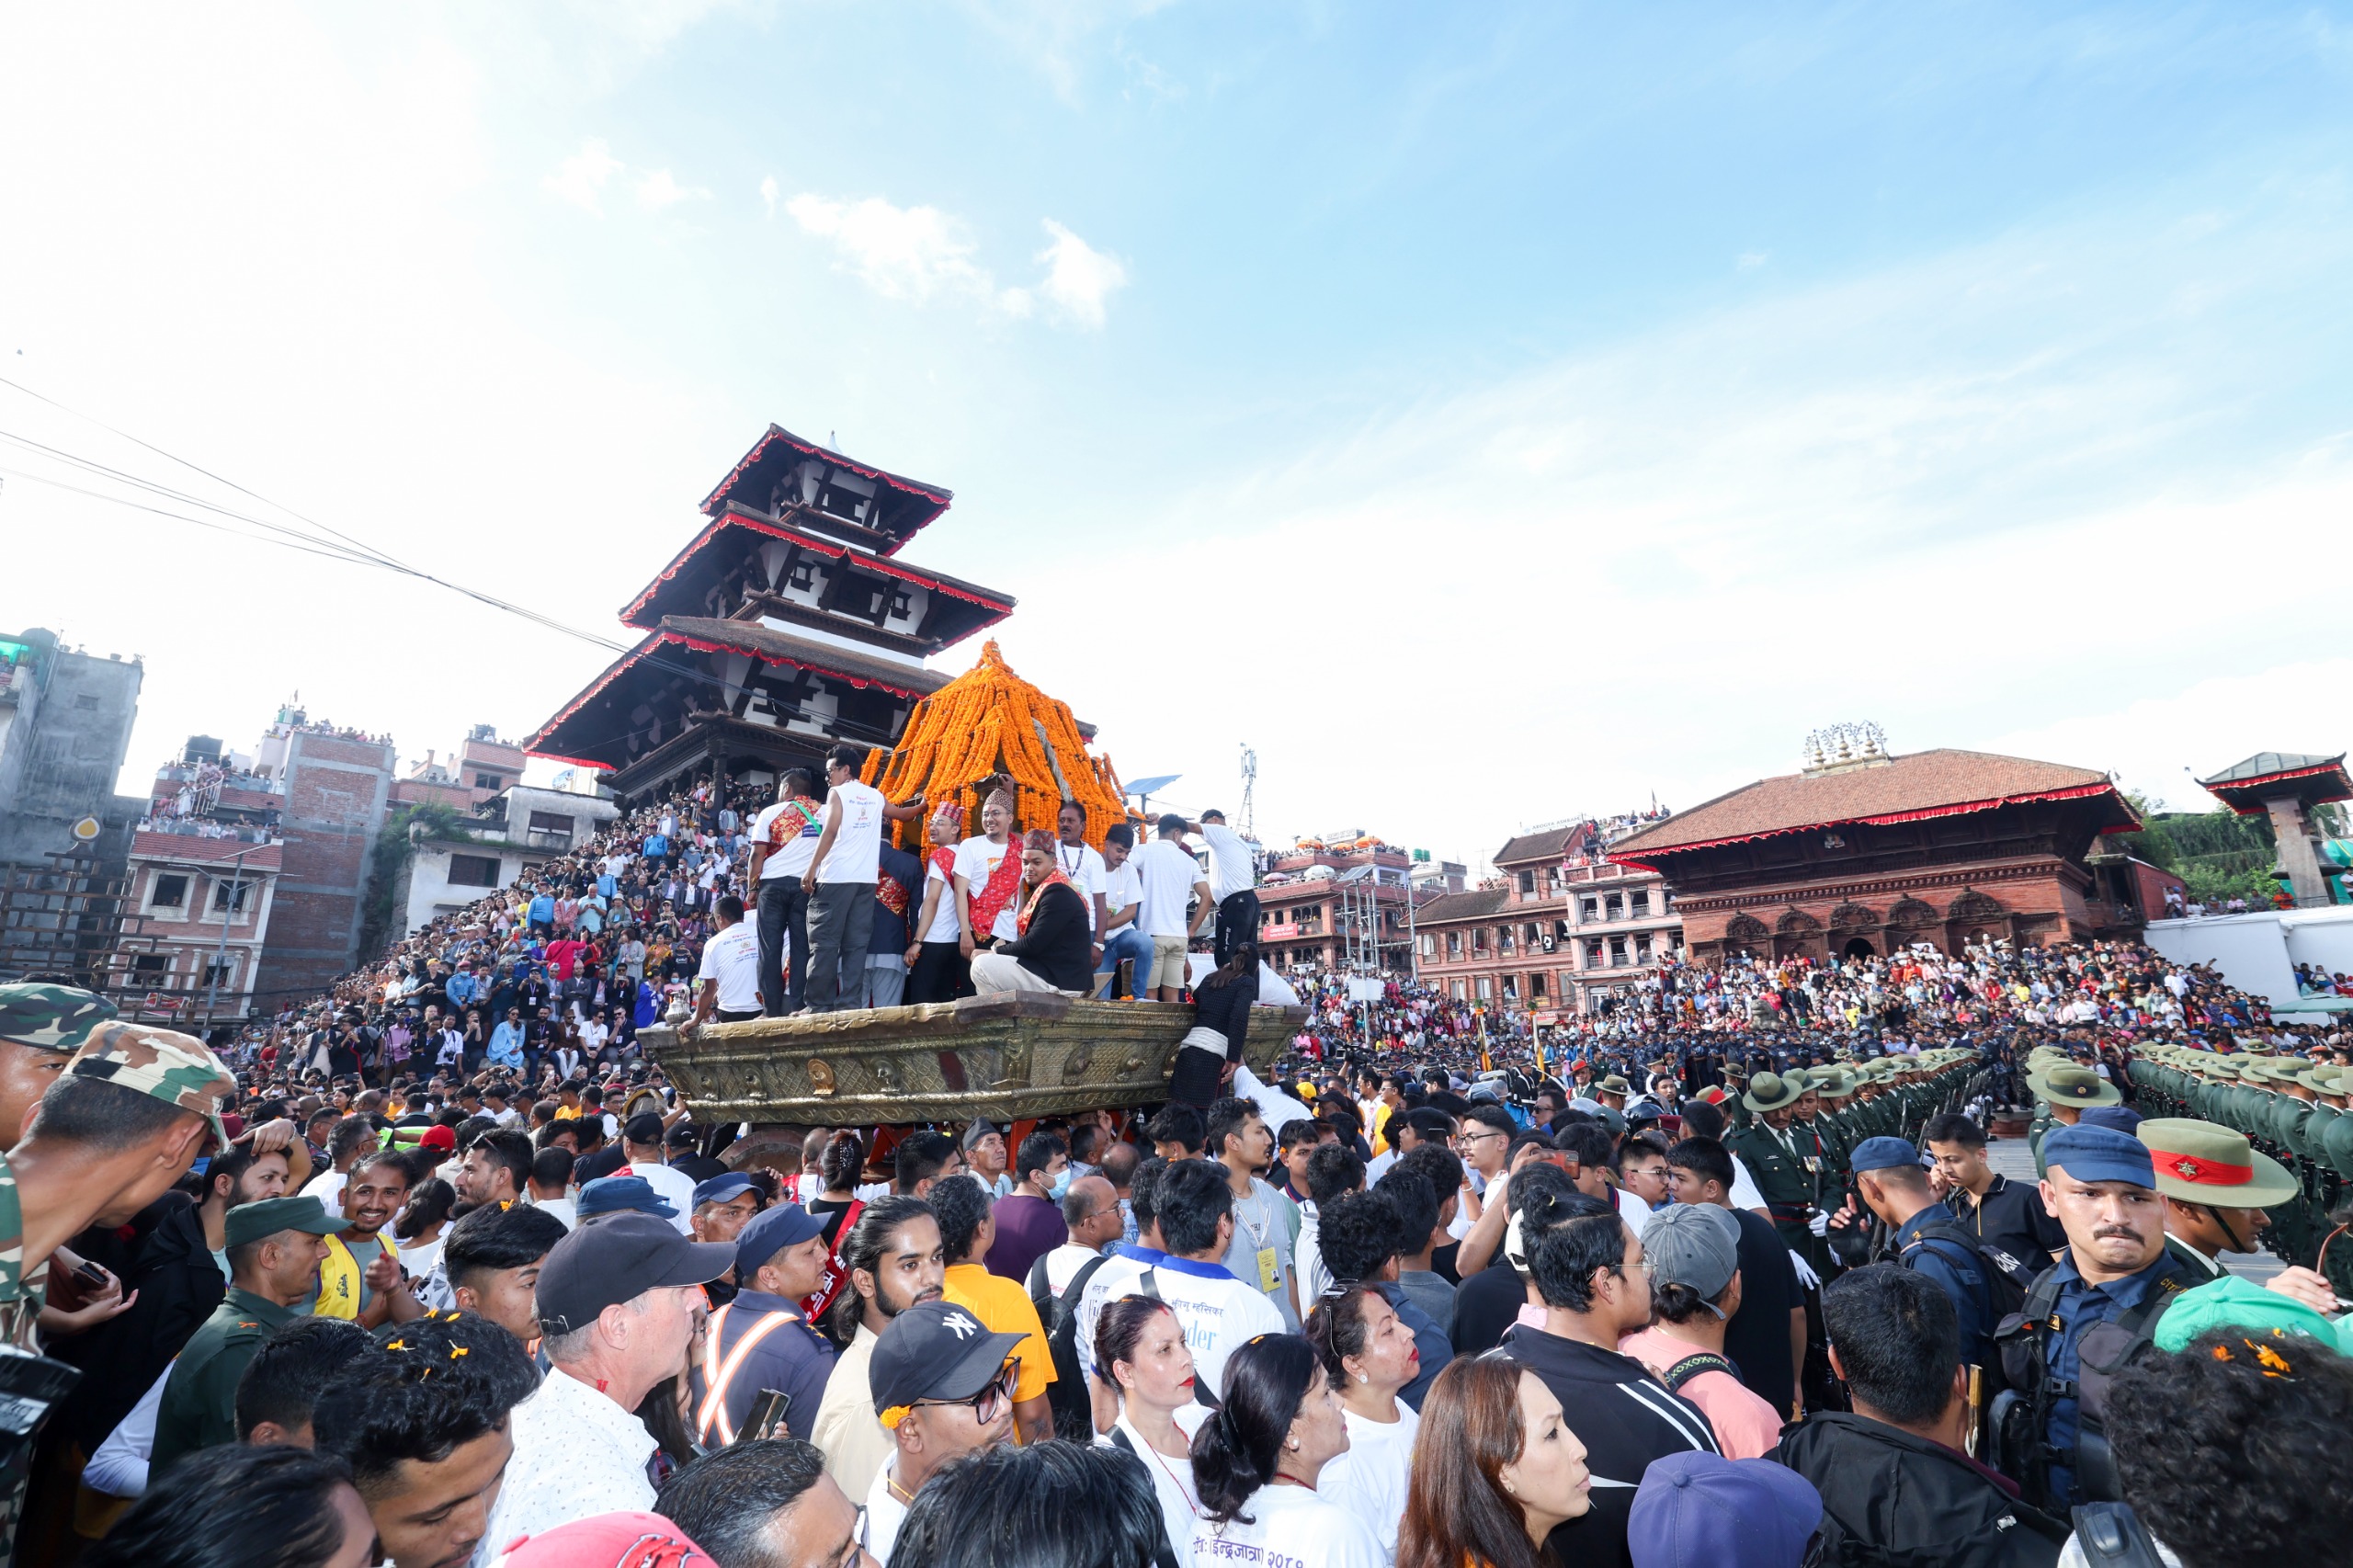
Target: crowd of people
439, 1270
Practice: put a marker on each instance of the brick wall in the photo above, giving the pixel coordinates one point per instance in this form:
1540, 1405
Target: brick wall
337, 792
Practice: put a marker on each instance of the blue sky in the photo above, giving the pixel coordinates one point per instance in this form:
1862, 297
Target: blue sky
1487, 413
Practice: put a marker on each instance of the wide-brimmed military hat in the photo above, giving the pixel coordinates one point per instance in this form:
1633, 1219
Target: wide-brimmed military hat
49, 1017
2071, 1084
1613, 1084
1771, 1091
2199, 1161
1832, 1083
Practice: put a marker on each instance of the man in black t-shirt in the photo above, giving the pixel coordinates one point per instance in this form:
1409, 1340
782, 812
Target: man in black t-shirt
1766, 1339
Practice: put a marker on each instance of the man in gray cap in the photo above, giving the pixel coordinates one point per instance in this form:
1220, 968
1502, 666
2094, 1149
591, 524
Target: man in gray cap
618, 1303
760, 1340
1693, 1250
984, 1154
2113, 1283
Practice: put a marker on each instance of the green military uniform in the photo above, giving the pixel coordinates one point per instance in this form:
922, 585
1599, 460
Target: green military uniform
200, 1403
158, 1063
1788, 1183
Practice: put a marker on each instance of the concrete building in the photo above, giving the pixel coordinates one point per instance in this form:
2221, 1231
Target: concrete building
1338, 900
338, 786
65, 719
1558, 929
468, 778
521, 829
204, 866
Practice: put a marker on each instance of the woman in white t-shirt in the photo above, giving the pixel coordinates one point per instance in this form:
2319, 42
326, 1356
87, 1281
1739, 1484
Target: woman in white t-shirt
1256, 1463
1140, 1345
1368, 1354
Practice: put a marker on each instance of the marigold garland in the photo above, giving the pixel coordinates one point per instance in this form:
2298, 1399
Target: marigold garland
981, 724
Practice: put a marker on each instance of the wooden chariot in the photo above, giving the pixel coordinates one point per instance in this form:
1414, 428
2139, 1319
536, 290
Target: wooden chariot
1007, 1058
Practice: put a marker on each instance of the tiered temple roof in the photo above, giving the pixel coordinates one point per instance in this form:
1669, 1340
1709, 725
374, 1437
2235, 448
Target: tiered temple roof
783, 626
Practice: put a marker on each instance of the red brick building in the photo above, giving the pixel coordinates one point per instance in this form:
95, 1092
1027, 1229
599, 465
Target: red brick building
1558, 929
1324, 900
1863, 852
337, 785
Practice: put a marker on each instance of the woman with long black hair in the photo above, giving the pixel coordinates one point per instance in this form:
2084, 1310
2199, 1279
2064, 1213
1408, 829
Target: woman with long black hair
1496, 1469
1256, 1463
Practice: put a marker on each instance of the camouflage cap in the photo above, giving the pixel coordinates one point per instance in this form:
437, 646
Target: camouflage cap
49, 1017
168, 1066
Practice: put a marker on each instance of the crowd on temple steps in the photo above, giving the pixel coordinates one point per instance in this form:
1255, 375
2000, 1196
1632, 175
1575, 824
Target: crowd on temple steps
438, 1270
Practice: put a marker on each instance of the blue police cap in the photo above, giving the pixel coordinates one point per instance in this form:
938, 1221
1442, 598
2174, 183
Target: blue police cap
722, 1188
787, 1224
1883, 1154
616, 1194
2099, 1154
2115, 1117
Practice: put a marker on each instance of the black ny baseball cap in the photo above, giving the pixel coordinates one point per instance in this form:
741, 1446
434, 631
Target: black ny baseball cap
933, 1350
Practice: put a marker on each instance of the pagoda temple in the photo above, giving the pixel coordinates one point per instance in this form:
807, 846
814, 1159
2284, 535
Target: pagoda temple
1865, 851
2285, 786
785, 625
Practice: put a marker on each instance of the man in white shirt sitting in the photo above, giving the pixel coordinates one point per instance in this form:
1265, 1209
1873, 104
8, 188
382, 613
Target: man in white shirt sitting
1119, 936
618, 1303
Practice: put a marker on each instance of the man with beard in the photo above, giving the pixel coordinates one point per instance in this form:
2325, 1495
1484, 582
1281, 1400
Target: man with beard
2112, 1283
362, 1279
896, 1261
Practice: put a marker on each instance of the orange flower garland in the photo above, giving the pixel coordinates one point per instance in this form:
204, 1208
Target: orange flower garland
980, 724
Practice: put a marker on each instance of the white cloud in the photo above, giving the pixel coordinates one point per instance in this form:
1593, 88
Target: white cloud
658, 189
1750, 260
922, 255
901, 253
769, 194
1078, 277
580, 179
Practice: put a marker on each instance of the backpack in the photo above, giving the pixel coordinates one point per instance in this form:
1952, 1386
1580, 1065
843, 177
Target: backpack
2007, 1280
1069, 1397
1691, 1366
2022, 1422
2110, 1535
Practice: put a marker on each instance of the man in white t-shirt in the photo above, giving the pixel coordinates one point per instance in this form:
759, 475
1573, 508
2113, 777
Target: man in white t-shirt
729, 978
1170, 878
784, 846
840, 883
1123, 897
1082, 864
1233, 884
1219, 1312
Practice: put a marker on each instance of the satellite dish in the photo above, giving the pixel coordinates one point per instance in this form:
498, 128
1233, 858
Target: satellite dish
86, 830
1147, 786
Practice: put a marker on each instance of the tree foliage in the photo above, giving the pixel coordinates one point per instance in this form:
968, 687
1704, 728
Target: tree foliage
394, 848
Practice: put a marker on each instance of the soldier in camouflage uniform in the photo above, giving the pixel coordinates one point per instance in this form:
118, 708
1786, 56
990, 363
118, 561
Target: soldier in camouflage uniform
54, 1185
41, 1025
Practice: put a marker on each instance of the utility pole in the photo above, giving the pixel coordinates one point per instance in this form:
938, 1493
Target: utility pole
1249, 788
220, 952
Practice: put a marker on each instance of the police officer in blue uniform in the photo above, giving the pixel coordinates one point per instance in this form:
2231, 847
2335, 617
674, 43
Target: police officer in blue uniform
2088, 1314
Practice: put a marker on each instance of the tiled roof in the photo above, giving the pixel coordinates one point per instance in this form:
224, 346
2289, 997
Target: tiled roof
1476, 904
1922, 784
2264, 764
768, 642
1549, 845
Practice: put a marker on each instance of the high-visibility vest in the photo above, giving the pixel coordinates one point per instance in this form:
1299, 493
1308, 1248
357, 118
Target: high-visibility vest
719, 1372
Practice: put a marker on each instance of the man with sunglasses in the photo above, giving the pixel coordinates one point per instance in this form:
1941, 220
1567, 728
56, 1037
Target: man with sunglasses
943, 1387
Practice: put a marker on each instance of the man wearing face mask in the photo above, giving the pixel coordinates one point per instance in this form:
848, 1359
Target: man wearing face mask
1029, 1223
